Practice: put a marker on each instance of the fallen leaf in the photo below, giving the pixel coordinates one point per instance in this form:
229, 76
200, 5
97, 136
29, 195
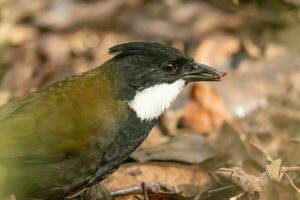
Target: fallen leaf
18, 78
211, 20
273, 170
67, 15
171, 119
180, 176
188, 148
249, 183
56, 50
231, 143
4, 96
154, 138
206, 111
212, 53
13, 34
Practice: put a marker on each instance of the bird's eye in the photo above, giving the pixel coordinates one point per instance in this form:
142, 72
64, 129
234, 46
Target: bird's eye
168, 68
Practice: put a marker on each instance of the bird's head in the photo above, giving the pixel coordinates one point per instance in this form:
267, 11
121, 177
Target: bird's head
154, 74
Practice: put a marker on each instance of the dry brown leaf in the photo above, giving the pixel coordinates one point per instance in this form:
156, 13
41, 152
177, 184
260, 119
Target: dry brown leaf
56, 49
19, 76
212, 20
158, 29
206, 111
249, 183
183, 13
252, 48
182, 177
216, 49
170, 120
154, 138
188, 148
78, 15
4, 96
231, 142
13, 34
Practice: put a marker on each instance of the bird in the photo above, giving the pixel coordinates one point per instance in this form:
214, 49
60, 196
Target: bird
70, 135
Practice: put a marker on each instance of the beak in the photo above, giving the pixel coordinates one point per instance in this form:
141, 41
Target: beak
201, 72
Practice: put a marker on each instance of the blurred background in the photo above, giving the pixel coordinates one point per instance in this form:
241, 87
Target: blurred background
249, 123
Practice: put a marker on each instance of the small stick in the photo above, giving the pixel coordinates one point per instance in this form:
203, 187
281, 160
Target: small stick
237, 197
220, 189
256, 143
290, 169
127, 191
292, 183
145, 192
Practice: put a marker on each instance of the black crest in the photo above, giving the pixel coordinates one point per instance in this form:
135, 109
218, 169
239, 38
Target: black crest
146, 49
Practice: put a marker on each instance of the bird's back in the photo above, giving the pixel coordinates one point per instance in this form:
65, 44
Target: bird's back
54, 139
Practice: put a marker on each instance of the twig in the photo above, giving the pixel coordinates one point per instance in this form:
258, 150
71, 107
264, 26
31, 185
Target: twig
220, 189
138, 189
208, 193
256, 143
127, 191
237, 197
290, 169
292, 183
145, 192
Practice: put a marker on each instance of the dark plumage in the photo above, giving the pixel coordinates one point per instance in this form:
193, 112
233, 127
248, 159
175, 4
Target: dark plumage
72, 134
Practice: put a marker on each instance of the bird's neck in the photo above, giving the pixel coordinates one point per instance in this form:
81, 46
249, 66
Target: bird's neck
148, 103
151, 102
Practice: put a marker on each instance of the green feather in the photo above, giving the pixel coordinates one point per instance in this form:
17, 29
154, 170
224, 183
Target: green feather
52, 125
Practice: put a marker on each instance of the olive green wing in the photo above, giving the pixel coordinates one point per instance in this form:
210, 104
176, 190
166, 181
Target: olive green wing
15, 127
60, 121
18, 135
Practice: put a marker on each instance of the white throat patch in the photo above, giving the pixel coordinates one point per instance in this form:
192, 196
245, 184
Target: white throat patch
152, 102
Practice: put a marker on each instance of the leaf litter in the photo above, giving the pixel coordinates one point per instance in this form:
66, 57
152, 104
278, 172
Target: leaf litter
203, 146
